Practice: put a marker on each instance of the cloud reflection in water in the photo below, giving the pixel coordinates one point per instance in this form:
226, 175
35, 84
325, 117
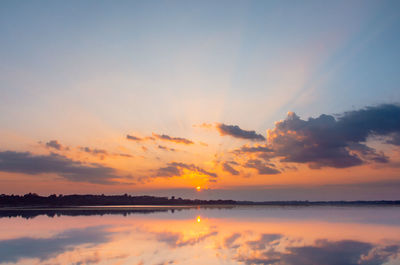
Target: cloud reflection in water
220, 237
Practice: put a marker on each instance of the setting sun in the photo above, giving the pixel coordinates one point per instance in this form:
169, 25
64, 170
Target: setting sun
198, 188
198, 219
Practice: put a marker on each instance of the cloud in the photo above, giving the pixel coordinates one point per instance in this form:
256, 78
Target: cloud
253, 149
97, 259
162, 137
168, 171
330, 253
94, 151
54, 144
13, 250
178, 140
101, 152
230, 240
162, 147
28, 163
133, 138
263, 168
394, 139
339, 143
176, 169
264, 241
204, 125
237, 132
228, 168
203, 143
347, 252
167, 262
339, 252
124, 155
174, 240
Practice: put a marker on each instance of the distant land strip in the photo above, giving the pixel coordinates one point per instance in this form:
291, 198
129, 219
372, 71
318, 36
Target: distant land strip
32, 200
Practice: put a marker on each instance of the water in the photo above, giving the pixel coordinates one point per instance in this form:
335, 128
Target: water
226, 235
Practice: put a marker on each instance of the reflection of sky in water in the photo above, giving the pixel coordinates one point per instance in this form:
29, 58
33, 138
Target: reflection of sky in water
243, 235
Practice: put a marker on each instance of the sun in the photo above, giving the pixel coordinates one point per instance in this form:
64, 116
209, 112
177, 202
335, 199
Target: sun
198, 188
198, 219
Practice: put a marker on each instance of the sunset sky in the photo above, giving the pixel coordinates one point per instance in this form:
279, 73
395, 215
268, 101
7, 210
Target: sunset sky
249, 100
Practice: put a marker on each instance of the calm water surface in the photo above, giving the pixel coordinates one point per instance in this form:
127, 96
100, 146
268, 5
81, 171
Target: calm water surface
235, 235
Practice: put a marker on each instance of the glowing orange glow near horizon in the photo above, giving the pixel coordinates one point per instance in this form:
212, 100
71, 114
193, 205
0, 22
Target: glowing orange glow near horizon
198, 188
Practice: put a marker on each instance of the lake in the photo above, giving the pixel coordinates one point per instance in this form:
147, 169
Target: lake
202, 235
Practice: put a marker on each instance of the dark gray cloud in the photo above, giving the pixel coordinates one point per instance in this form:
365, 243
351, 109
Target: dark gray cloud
357, 125
28, 163
226, 166
12, 250
178, 140
263, 168
168, 171
339, 142
253, 149
133, 138
162, 147
394, 139
101, 152
237, 132
162, 137
93, 151
54, 144
176, 169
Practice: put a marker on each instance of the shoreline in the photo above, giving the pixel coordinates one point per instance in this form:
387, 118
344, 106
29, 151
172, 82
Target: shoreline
188, 206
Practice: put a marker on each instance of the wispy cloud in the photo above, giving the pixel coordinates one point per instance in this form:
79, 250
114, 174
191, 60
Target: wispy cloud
175, 240
93, 151
254, 149
162, 137
230, 240
162, 147
178, 140
263, 168
174, 169
102, 153
204, 125
133, 138
226, 166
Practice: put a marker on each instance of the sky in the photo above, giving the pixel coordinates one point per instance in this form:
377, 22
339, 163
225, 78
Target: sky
249, 100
